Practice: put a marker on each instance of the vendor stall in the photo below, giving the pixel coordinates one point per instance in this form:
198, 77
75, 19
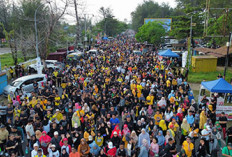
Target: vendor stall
217, 86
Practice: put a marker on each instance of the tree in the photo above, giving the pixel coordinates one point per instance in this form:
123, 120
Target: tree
151, 32
149, 9
109, 24
181, 24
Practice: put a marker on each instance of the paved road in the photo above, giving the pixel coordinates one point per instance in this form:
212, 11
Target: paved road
4, 50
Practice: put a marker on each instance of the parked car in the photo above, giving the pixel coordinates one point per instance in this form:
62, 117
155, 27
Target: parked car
138, 52
75, 55
26, 83
51, 65
92, 52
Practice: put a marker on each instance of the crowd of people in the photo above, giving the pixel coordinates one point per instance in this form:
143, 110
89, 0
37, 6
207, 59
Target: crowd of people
114, 104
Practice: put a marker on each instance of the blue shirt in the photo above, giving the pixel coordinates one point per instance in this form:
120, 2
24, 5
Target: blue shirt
114, 122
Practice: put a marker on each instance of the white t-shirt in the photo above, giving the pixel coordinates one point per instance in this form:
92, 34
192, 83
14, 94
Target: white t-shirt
205, 132
30, 129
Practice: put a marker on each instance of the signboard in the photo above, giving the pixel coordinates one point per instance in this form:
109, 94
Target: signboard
167, 22
226, 109
184, 58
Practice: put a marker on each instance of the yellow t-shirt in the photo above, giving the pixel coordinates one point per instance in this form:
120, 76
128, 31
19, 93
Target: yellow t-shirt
57, 101
186, 149
55, 73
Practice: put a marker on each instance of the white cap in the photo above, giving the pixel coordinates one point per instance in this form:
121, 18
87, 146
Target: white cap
90, 138
35, 145
115, 133
53, 145
110, 145
56, 133
57, 110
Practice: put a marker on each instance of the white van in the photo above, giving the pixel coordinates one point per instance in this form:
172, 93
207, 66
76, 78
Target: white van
26, 82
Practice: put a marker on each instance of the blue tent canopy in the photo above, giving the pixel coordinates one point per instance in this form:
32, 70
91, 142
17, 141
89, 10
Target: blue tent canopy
218, 86
168, 53
105, 38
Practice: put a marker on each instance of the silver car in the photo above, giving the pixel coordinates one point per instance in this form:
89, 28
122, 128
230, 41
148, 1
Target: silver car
26, 83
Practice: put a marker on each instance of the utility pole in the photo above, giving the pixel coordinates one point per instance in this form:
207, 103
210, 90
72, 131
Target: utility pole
85, 32
39, 66
77, 26
227, 55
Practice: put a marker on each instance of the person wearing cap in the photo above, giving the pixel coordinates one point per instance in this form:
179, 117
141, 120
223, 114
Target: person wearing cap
34, 152
110, 150
188, 147
3, 137
64, 144
44, 142
40, 153
56, 140
227, 150
57, 116
206, 133
52, 151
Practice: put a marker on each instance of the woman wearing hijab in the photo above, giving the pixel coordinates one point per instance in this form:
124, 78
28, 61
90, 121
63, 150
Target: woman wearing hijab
203, 120
75, 119
184, 130
144, 149
149, 111
161, 139
163, 126
117, 130
162, 104
125, 130
94, 149
149, 127
134, 137
168, 135
44, 142
83, 148
52, 151
143, 135
215, 135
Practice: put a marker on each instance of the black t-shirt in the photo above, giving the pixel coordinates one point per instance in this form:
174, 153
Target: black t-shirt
16, 134
35, 85
224, 119
10, 144
9, 114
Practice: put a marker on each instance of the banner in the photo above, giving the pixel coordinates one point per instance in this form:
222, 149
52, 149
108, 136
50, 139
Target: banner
226, 109
184, 58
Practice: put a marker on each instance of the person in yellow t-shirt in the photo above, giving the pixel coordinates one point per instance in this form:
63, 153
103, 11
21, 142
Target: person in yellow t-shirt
168, 83
149, 99
188, 147
158, 116
58, 116
57, 100
55, 73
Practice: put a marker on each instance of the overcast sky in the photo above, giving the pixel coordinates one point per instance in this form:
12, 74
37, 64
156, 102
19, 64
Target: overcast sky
121, 8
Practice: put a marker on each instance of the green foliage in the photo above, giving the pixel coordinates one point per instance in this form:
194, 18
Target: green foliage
151, 32
111, 26
181, 24
149, 9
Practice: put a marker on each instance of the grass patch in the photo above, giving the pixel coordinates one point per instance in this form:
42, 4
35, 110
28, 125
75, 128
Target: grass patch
6, 59
198, 77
